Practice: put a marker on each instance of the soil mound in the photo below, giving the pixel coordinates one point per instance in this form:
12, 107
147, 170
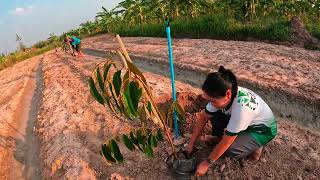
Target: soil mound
301, 36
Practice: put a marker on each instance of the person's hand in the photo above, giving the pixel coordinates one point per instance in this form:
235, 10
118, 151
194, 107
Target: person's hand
202, 168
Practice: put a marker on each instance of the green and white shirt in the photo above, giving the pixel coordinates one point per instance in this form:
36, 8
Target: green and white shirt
249, 113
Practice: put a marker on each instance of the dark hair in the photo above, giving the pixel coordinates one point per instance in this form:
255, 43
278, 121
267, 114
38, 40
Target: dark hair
217, 83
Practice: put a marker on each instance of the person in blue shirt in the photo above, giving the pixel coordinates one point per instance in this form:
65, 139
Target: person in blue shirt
76, 44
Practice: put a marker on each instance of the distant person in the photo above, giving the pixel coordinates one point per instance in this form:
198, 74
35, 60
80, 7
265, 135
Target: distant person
76, 45
242, 122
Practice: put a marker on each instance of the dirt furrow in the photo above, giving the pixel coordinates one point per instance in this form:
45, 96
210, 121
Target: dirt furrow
69, 126
26, 164
32, 171
21, 92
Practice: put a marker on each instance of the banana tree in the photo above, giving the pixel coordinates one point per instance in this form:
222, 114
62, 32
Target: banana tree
105, 19
125, 91
134, 11
87, 27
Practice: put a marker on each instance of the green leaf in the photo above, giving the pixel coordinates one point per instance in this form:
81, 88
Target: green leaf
138, 73
141, 138
106, 152
114, 97
126, 102
153, 141
149, 151
132, 95
106, 70
180, 112
115, 150
159, 135
117, 82
101, 84
104, 9
94, 91
133, 139
135, 94
128, 142
148, 133
126, 76
125, 82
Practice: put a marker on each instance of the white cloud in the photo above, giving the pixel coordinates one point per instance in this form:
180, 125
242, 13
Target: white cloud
19, 11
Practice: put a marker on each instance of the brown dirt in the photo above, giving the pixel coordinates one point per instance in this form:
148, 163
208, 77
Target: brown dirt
71, 126
18, 143
288, 78
274, 66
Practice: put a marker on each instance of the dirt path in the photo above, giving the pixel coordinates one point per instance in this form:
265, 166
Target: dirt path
32, 171
19, 145
67, 125
26, 163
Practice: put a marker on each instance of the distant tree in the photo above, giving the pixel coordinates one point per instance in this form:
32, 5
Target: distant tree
105, 19
2, 56
88, 27
21, 46
52, 37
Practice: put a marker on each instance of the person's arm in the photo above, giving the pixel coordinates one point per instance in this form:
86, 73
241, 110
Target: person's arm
239, 121
222, 146
201, 122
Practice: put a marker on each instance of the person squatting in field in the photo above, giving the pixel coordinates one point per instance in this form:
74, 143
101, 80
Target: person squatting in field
75, 44
242, 122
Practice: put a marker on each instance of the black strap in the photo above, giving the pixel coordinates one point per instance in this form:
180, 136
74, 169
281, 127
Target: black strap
229, 105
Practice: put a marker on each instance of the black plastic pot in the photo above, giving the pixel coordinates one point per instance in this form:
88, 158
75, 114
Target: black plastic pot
182, 168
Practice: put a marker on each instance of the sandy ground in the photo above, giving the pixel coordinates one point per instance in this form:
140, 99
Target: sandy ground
71, 126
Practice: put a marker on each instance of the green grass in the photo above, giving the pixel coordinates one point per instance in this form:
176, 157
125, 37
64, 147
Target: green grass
313, 26
13, 58
212, 26
315, 30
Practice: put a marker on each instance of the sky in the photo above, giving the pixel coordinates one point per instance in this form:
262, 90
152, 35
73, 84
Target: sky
35, 20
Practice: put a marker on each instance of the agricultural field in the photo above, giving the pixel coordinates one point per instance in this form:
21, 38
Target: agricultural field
51, 127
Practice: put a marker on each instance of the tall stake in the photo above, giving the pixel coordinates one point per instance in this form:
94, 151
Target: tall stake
176, 130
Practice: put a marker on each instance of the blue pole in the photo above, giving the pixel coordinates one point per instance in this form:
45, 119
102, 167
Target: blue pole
176, 130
